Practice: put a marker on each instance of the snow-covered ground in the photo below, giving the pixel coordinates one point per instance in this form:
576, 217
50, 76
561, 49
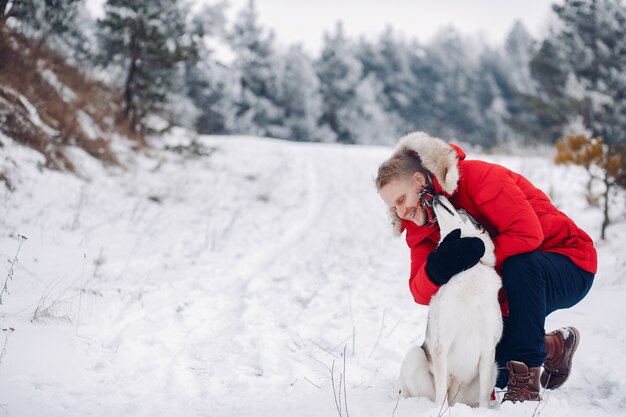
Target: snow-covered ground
231, 284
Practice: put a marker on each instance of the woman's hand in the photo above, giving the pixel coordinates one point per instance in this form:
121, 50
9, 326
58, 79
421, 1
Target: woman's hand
453, 255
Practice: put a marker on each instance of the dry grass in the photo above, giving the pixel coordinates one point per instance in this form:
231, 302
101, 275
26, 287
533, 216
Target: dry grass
22, 66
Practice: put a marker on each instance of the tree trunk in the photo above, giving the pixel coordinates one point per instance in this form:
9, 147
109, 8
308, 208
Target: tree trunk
607, 189
129, 92
128, 89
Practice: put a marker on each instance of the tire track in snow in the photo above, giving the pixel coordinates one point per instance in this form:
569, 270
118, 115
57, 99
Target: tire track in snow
224, 299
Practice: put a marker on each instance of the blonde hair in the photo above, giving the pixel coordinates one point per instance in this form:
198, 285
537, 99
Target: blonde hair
401, 165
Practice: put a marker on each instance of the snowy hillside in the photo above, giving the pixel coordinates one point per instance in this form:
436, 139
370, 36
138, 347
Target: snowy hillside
228, 284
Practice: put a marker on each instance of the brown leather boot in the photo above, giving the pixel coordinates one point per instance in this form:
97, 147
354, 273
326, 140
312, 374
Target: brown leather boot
560, 347
523, 383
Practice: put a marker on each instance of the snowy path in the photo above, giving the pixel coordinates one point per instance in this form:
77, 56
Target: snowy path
226, 285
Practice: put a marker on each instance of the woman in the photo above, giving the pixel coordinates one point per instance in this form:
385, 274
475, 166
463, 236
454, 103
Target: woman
546, 262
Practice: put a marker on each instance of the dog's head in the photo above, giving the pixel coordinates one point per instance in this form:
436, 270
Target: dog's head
450, 218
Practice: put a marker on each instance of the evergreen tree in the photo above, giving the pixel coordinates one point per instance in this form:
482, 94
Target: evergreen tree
517, 54
592, 39
542, 113
41, 17
340, 72
213, 89
365, 118
535, 101
299, 97
256, 66
418, 114
580, 70
503, 84
211, 86
452, 77
55, 21
492, 91
390, 62
146, 38
356, 108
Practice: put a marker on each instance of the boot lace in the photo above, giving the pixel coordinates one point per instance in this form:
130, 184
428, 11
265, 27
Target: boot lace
516, 390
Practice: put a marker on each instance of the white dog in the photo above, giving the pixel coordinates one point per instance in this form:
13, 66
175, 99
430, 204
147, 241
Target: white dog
457, 359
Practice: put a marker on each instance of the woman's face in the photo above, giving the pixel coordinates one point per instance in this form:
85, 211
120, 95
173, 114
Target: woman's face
401, 195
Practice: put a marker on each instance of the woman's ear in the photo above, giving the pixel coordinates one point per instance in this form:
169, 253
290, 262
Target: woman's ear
420, 178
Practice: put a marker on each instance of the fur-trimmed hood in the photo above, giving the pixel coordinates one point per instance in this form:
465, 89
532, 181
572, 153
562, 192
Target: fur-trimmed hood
438, 157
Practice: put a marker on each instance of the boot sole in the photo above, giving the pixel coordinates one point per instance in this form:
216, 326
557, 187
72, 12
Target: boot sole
571, 356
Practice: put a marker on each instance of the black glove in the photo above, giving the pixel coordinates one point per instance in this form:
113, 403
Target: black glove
453, 255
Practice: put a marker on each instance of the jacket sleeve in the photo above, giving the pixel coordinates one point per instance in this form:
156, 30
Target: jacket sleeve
422, 288
503, 203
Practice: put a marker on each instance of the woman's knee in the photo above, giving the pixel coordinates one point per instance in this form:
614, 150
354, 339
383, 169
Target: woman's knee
519, 270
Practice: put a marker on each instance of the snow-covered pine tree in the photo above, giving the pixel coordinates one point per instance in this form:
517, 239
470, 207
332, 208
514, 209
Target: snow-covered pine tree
389, 61
339, 72
521, 91
214, 89
211, 86
492, 90
517, 54
580, 70
47, 20
451, 74
256, 67
299, 97
592, 40
543, 113
145, 39
365, 118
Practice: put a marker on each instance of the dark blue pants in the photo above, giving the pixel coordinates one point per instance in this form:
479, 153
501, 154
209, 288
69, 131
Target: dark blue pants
536, 284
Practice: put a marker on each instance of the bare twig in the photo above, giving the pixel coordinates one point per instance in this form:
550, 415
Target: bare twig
393, 413
345, 396
353, 338
7, 332
340, 382
445, 401
337, 392
341, 343
311, 382
330, 352
332, 380
80, 293
451, 401
352, 320
20, 239
319, 361
545, 403
47, 309
382, 326
394, 327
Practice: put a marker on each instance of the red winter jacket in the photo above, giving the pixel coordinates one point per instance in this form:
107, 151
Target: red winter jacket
518, 216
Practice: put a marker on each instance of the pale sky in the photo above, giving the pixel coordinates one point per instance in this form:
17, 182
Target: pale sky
305, 21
